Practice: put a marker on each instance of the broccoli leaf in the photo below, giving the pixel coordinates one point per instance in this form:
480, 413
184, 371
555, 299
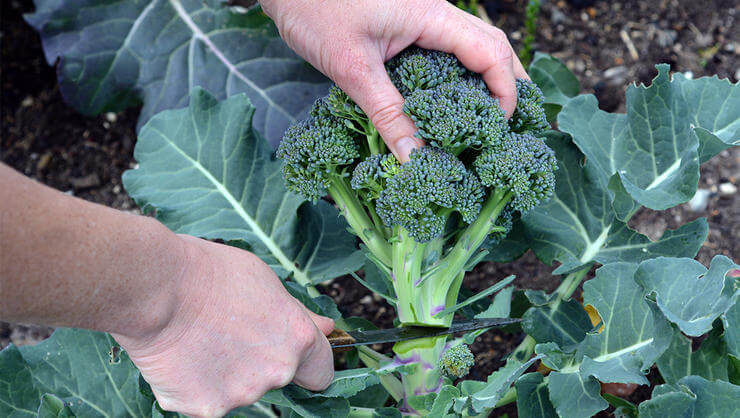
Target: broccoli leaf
558, 84
693, 397
565, 323
731, 322
574, 395
654, 147
533, 397
116, 54
687, 293
209, 174
74, 366
633, 336
578, 226
709, 361
498, 383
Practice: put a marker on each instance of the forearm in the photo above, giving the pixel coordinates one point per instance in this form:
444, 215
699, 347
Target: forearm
68, 262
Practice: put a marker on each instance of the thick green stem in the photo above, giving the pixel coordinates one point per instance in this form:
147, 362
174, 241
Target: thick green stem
357, 218
425, 354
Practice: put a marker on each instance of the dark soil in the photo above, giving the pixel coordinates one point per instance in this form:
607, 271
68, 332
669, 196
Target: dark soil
47, 140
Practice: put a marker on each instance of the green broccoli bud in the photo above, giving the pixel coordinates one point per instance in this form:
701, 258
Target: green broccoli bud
313, 151
529, 115
522, 164
369, 177
417, 68
424, 191
456, 361
457, 115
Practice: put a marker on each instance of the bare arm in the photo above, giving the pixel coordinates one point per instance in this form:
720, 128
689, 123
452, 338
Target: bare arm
187, 311
68, 262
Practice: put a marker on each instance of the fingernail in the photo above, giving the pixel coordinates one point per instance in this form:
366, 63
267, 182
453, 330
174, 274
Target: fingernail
404, 146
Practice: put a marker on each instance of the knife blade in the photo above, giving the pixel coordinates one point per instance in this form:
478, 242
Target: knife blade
339, 339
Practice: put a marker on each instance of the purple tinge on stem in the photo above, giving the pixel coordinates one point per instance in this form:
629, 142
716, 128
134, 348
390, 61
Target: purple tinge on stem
424, 391
393, 277
415, 358
437, 309
417, 281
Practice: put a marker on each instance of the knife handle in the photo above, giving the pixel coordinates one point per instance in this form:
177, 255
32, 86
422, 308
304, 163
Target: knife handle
339, 337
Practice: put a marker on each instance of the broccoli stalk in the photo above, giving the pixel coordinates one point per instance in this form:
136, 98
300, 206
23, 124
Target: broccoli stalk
423, 222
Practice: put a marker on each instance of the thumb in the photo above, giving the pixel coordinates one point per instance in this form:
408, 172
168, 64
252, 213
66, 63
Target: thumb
324, 324
373, 91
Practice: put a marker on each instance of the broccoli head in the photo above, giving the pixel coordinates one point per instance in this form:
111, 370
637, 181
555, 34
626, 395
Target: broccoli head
456, 361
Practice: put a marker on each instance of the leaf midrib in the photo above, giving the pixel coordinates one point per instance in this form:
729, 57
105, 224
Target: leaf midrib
299, 275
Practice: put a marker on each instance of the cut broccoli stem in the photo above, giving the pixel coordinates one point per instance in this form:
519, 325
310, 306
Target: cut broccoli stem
425, 354
354, 212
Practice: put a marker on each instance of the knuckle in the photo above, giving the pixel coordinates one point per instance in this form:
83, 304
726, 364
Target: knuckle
280, 376
305, 335
386, 115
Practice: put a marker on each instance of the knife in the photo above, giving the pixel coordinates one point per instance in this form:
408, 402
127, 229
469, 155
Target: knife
341, 340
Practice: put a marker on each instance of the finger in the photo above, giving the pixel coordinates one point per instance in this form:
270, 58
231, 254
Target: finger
519, 71
477, 49
324, 324
369, 86
316, 370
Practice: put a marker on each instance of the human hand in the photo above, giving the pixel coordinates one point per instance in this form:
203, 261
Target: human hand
350, 40
235, 334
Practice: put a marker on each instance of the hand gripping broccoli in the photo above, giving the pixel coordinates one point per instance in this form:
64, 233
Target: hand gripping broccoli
423, 222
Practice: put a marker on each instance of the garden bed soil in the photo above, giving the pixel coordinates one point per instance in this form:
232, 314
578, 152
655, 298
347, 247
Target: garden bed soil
607, 44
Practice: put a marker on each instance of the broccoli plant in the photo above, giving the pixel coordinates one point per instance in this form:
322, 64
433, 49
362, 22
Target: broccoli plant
423, 222
483, 189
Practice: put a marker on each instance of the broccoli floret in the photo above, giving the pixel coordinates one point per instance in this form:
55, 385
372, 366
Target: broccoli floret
529, 115
422, 194
456, 116
417, 68
313, 151
370, 176
456, 361
522, 164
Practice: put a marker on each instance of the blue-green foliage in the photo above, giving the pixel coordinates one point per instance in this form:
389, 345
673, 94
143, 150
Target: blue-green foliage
456, 361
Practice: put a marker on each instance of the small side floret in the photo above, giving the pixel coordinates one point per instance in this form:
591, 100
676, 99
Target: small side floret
456, 361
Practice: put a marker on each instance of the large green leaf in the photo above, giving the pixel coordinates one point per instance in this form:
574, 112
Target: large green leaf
679, 360
687, 293
562, 322
633, 336
654, 147
693, 397
74, 366
574, 395
731, 322
208, 173
557, 82
498, 383
533, 397
578, 225
113, 54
